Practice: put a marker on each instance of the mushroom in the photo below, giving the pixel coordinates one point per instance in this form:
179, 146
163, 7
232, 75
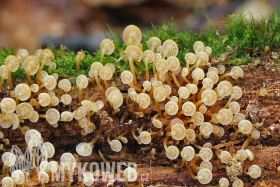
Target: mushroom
162, 68
202, 59
254, 134
221, 69
157, 58
44, 166
172, 152
241, 155
131, 176
190, 58
18, 177
169, 48
188, 109
174, 65
178, 132
47, 56
48, 150
115, 144
213, 76
197, 75
43, 178
235, 73
143, 100
224, 156
208, 50
205, 154
3, 74
148, 57
7, 182
127, 78
224, 89
207, 85
237, 183
9, 159
34, 88
254, 171
187, 154
203, 165
65, 85
205, 129
12, 64
198, 46
32, 138
223, 182
52, 116
88, 179
146, 138
22, 54
23, 92
66, 99
234, 107
190, 134
132, 35
262, 93
24, 110
42, 75
147, 86
34, 117
94, 72
8, 105
159, 96
107, 47
82, 82
184, 93
105, 74
116, 99
79, 57
244, 126
91, 108
204, 176
49, 82
236, 94
171, 108
133, 52
37, 53
31, 66
67, 161
44, 100
153, 43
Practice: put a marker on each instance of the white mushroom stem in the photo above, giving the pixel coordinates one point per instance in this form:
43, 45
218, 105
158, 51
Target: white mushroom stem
132, 68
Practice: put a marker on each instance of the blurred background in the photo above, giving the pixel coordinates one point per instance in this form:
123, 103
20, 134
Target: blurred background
80, 24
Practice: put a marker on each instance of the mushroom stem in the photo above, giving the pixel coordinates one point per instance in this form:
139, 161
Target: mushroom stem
97, 136
147, 70
175, 79
191, 172
224, 75
134, 135
98, 83
168, 80
180, 102
200, 101
154, 68
132, 68
198, 63
2, 80
245, 144
194, 166
80, 94
185, 78
232, 136
228, 102
40, 69
102, 53
132, 185
133, 86
43, 184
197, 146
106, 83
4, 168
38, 105
10, 79
158, 108
28, 76
82, 184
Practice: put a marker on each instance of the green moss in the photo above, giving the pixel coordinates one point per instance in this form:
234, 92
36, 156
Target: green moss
241, 34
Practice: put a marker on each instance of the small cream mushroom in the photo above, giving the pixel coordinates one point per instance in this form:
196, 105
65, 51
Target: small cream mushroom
235, 73
153, 43
244, 126
65, 85
172, 152
82, 82
132, 35
48, 150
49, 82
146, 138
68, 161
205, 154
44, 100
159, 94
237, 183
202, 59
143, 100
7, 182
66, 116
223, 182
188, 109
131, 176
9, 159
224, 89
111, 66
11, 63
18, 177
169, 48
204, 176
127, 78
66, 99
31, 66
205, 129
24, 110
105, 74
197, 75
171, 108
43, 178
3, 74
198, 46
236, 94
107, 47
34, 88
22, 54
224, 156
52, 116
23, 92
47, 56
8, 105
34, 117
88, 179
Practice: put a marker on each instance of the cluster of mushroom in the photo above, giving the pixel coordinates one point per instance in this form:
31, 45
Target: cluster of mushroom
190, 100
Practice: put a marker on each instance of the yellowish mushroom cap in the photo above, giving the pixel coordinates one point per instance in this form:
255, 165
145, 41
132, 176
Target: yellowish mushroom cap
175, 99
173, 62
198, 74
171, 107
34, 117
48, 55
160, 93
225, 157
111, 66
189, 108
34, 88
18, 177
241, 155
53, 166
213, 76
82, 81
147, 85
95, 67
184, 92
221, 69
170, 48
116, 145
42, 75
205, 176
12, 63
67, 116
64, 84
9, 159
234, 107
23, 91
91, 106
153, 43
44, 166
172, 152
3, 72
22, 54
157, 123
224, 88
245, 126
54, 101
188, 153
237, 183
206, 128
198, 46
7, 182
84, 149
192, 88
205, 154
66, 99
8, 105
68, 161
190, 58
52, 116
49, 82
223, 182
206, 165
126, 76
225, 116
133, 52
144, 100
44, 99
108, 45
32, 64
132, 35
24, 110
236, 72
130, 173
145, 137
179, 130
190, 134
88, 179
33, 137
162, 66
43, 176
116, 99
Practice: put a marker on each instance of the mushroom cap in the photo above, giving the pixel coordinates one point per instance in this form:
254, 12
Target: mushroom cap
31, 63
198, 46
133, 52
48, 147
189, 108
206, 165
221, 132
221, 69
82, 81
203, 57
8, 105
160, 93
33, 137
246, 126
237, 183
185, 72
236, 92
202, 108
242, 155
192, 88
7, 182
34, 88
12, 63
48, 54
205, 176
206, 128
130, 173
68, 160
111, 66
198, 74
213, 69
157, 123
184, 92
236, 72
50, 82
224, 182
225, 116
191, 58
205, 154
190, 134
162, 66
157, 57
42, 75
173, 63
66, 99
159, 50
145, 137
116, 98
24, 91
108, 45
224, 88
143, 99
148, 56
84, 149
153, 43
14, 120
179, 130
43, 176
263, 92
80, 112
100, 104
174, 98
88, 179
255, 134
207, 83
126, 76
3, 71
89, 128
53, 166
234, 107
188, 152
116, 145
18, 177
9, 159
238, 117
225, 157
210, 96
176, 121
208, 50
171, 107
133, 96
213, 76
110, 89
44, 99
250, 154
24, 110
22, 54
170, 47
67, 116
147, 85
105, 73
173, 152
64, 84
156, 84
44, 166
80, 55
132, 33
53, 116
95, 67
198, 118
1, 135
83, 122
